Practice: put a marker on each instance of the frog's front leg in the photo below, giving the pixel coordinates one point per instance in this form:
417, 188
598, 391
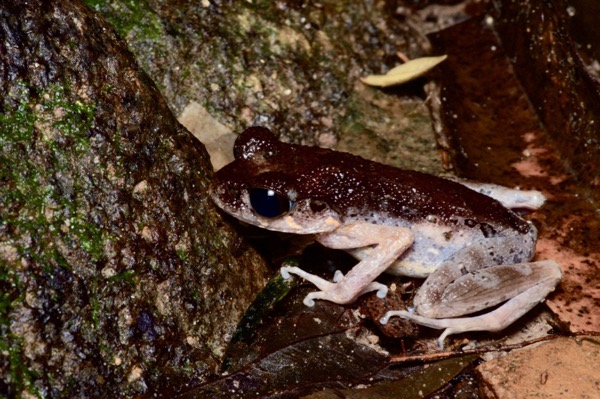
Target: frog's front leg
389, 243
473, 280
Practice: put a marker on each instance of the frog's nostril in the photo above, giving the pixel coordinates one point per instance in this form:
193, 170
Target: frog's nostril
269, 203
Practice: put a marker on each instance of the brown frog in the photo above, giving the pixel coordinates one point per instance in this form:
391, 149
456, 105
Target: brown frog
463, 237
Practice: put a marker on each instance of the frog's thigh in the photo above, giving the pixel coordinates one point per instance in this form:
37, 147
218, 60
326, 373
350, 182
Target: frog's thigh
452, 274
390, 242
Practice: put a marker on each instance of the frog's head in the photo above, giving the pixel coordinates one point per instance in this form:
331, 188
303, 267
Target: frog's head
263, 187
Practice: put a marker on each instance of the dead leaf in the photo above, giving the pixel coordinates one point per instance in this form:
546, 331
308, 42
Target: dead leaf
404, 72
298, 350
416, 386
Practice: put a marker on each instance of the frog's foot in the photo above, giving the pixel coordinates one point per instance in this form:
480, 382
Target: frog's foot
381, 289
509, 197
333, 296
331, 291
450, 326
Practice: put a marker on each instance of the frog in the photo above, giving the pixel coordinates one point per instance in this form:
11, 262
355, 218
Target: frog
464, 238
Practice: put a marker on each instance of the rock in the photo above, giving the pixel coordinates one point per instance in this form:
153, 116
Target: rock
564, 367
113, 260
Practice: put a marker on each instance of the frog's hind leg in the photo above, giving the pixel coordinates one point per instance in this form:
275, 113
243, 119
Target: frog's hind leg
535, 281
480, 276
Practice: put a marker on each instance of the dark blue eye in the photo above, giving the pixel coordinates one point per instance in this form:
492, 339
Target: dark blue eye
269, 203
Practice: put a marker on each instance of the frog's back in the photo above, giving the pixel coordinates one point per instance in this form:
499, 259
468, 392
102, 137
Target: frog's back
357, 186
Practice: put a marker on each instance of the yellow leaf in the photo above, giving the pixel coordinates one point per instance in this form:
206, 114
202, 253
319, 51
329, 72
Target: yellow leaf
404, 72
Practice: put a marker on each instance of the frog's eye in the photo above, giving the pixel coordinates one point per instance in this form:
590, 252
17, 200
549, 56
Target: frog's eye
269, 203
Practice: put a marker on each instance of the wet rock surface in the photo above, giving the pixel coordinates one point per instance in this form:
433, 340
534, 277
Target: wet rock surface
112, 258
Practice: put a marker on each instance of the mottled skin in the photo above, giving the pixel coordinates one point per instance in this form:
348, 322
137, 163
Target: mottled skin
347, 183
474, 249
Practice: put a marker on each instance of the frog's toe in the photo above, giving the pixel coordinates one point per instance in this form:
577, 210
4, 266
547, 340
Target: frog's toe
442, 338
322, 284
309, 301
382, 291
285, 273
400, 313
338, 276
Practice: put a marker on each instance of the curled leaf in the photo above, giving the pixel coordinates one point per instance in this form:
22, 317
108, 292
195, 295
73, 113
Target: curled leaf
404, 72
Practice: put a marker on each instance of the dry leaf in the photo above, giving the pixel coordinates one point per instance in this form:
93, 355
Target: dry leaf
404, 72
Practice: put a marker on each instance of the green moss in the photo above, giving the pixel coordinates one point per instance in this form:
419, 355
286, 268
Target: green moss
138, 24
11, 347
182, 254
133, 17
41, 141
44, 137
20, 376
126, 276
95, 303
